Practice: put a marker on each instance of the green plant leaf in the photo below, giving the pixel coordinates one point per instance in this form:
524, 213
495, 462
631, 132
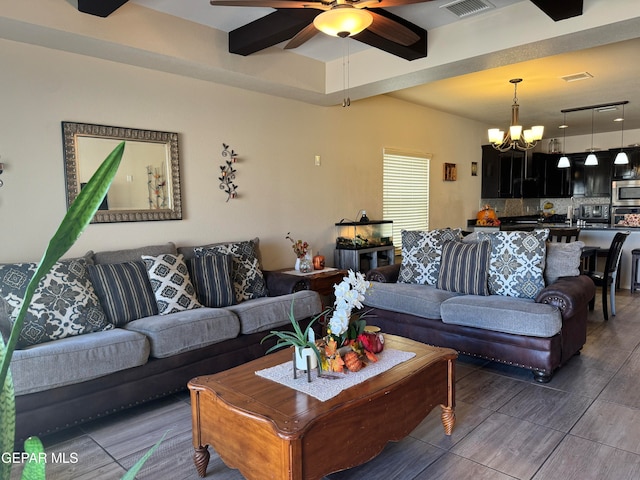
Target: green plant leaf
78, 216
133, 471
34, 469
7, 417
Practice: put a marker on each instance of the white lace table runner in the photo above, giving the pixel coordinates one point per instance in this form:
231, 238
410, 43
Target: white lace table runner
312, 272
323, 388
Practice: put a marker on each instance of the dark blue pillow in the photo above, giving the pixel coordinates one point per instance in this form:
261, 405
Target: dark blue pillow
211, 276
464, 267
124, 291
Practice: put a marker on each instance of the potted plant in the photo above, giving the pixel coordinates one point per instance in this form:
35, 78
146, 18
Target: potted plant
304, 341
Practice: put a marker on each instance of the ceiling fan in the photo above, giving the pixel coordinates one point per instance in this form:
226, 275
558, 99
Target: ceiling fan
341, 18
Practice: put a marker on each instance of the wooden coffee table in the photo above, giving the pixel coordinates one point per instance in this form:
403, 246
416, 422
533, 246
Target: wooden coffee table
268, 430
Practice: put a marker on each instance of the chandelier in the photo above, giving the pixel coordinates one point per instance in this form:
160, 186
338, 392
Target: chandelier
516, 138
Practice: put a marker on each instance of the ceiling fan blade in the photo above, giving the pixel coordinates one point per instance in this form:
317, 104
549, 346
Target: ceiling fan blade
392, 30
268, 3
398, 3
307, 33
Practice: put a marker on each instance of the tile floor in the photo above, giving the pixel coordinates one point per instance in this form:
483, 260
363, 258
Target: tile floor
584, 424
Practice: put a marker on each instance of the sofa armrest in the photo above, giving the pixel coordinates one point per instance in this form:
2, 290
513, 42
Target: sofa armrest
384, 274
568, 294
280, 283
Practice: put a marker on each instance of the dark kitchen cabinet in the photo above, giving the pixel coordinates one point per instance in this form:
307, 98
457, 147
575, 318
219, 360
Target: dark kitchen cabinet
630, 171
503, 174
591, 180
553, 182
490, 172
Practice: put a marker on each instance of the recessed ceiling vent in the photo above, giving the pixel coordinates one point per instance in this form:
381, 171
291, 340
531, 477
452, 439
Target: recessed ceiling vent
464, 8
574, 77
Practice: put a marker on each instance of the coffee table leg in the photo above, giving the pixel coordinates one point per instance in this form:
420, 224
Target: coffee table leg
448, 413
201, 459
448, 419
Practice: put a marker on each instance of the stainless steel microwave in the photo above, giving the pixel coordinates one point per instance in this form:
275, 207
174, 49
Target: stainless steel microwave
625, 193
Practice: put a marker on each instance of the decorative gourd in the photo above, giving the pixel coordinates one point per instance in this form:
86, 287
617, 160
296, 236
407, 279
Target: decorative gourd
372, 342
352, 361
487, 216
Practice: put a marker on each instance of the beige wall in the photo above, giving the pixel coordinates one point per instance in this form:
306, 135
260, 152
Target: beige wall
280, 188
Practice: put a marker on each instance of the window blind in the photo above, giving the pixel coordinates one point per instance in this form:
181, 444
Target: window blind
405, 191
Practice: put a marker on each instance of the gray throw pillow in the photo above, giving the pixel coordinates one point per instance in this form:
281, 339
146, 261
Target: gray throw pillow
563, 260
133, 254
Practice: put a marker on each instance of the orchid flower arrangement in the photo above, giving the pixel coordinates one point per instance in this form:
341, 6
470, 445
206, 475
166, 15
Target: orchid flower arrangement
349, 295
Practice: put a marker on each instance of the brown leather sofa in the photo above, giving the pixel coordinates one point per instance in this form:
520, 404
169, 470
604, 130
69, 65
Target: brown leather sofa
541, 355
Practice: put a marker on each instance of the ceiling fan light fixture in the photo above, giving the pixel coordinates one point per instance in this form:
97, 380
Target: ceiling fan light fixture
343, 21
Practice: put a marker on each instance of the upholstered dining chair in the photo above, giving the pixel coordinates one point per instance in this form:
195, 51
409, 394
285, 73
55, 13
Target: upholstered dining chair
607, 278
565, 235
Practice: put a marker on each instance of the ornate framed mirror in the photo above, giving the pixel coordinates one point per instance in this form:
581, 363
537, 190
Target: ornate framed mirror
147, 185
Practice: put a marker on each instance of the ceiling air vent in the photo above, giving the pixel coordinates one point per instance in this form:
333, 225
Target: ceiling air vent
577, 76
464, 8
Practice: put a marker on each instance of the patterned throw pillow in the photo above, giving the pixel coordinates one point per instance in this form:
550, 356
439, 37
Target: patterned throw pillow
211, 276
64, 304
464, 267
170, 283
248, 281
563, 260
517, 262
421, 253
124, 291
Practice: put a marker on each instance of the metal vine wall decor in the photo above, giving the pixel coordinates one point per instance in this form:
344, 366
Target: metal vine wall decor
228, 173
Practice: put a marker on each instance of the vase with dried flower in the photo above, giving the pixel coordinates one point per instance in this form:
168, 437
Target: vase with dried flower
304, 263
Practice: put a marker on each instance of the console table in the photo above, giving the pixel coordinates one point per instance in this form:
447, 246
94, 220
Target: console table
352, 259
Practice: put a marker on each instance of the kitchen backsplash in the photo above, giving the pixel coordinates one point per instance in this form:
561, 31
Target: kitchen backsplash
515, 207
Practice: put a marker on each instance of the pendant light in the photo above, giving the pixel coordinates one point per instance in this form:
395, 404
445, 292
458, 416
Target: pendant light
591, 158
564, 160
621, 157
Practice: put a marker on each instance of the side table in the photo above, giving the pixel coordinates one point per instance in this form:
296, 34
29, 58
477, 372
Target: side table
321, 281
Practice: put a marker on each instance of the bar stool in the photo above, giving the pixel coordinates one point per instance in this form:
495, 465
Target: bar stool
635, 258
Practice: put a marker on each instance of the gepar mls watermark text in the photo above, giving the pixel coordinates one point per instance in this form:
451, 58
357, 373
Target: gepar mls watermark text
39, 457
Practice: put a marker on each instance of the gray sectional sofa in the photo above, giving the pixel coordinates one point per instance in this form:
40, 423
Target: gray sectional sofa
120, 336
521, 301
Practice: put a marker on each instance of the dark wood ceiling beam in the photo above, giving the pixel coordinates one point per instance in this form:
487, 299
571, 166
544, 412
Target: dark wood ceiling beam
100, 8
560, 9
268, 31
411, 52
